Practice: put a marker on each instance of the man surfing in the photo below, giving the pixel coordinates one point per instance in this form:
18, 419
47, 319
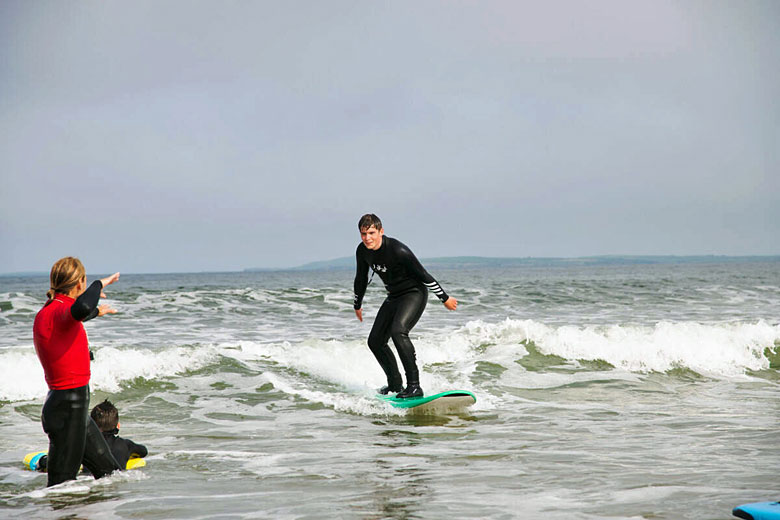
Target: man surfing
407, 283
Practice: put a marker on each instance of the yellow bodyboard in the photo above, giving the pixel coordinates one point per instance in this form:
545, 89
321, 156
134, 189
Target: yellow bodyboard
31, 461
135, 463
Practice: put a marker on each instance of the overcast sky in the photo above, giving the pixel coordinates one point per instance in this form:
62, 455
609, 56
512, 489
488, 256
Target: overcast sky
152, 136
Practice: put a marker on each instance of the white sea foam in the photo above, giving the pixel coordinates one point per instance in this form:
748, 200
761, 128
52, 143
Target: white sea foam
363, 403
447, 360
347, 364
21, 374
113, 366
713, 349
84, 484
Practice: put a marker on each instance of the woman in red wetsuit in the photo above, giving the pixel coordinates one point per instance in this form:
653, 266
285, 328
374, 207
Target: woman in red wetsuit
62, 347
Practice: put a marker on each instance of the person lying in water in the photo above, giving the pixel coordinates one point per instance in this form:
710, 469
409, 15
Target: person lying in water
106, 417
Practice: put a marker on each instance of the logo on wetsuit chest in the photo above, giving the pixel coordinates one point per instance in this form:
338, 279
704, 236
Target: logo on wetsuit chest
379, 268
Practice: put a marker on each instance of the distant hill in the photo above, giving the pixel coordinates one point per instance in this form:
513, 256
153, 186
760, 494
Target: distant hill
464, 262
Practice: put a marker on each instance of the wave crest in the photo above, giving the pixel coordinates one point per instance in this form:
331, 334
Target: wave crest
713, 349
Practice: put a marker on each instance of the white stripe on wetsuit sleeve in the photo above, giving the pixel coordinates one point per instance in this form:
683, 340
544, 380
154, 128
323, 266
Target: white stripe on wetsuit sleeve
435, 287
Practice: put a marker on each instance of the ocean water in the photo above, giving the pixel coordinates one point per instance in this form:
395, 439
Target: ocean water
636, 392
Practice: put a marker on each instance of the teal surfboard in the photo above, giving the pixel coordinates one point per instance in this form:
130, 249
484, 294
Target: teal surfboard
758, 511
451, 400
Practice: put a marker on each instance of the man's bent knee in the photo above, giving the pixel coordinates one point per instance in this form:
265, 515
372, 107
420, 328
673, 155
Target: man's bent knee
400, 335
375, 343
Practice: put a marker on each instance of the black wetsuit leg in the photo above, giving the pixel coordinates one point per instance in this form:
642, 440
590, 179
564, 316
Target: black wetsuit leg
397, 316
377, 342
64, 419
74, 438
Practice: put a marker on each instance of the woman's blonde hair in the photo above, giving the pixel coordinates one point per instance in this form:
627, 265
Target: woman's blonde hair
66, 273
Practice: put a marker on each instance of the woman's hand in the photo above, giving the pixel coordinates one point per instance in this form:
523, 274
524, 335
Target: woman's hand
105, 309
359, 314
451, 303
108, 280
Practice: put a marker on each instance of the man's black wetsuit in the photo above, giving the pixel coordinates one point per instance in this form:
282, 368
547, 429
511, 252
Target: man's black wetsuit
123, 449
407, 283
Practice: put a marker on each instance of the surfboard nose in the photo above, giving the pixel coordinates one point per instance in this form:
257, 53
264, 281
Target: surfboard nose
758, 511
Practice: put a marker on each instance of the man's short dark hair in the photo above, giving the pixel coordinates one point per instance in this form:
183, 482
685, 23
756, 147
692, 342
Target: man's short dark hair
368, 220
105, 415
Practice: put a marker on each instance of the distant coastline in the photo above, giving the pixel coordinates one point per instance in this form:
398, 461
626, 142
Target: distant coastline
465, 262
476, 262
24, 273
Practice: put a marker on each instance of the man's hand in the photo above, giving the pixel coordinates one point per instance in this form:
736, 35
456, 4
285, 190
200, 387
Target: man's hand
359, 314
451, 303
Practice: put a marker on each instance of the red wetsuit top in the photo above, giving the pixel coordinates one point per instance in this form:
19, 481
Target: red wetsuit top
61, 341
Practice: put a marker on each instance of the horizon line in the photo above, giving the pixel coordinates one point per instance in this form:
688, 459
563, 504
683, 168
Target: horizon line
428, 259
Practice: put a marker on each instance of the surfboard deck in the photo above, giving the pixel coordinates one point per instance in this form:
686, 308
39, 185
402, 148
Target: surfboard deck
31, 461
449, 401
758, 511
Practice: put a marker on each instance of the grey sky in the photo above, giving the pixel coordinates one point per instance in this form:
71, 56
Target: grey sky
189, 136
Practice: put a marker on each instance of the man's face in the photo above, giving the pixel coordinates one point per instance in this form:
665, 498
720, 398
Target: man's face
371, 238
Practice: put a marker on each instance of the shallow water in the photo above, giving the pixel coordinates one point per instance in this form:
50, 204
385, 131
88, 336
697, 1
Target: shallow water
603, 392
